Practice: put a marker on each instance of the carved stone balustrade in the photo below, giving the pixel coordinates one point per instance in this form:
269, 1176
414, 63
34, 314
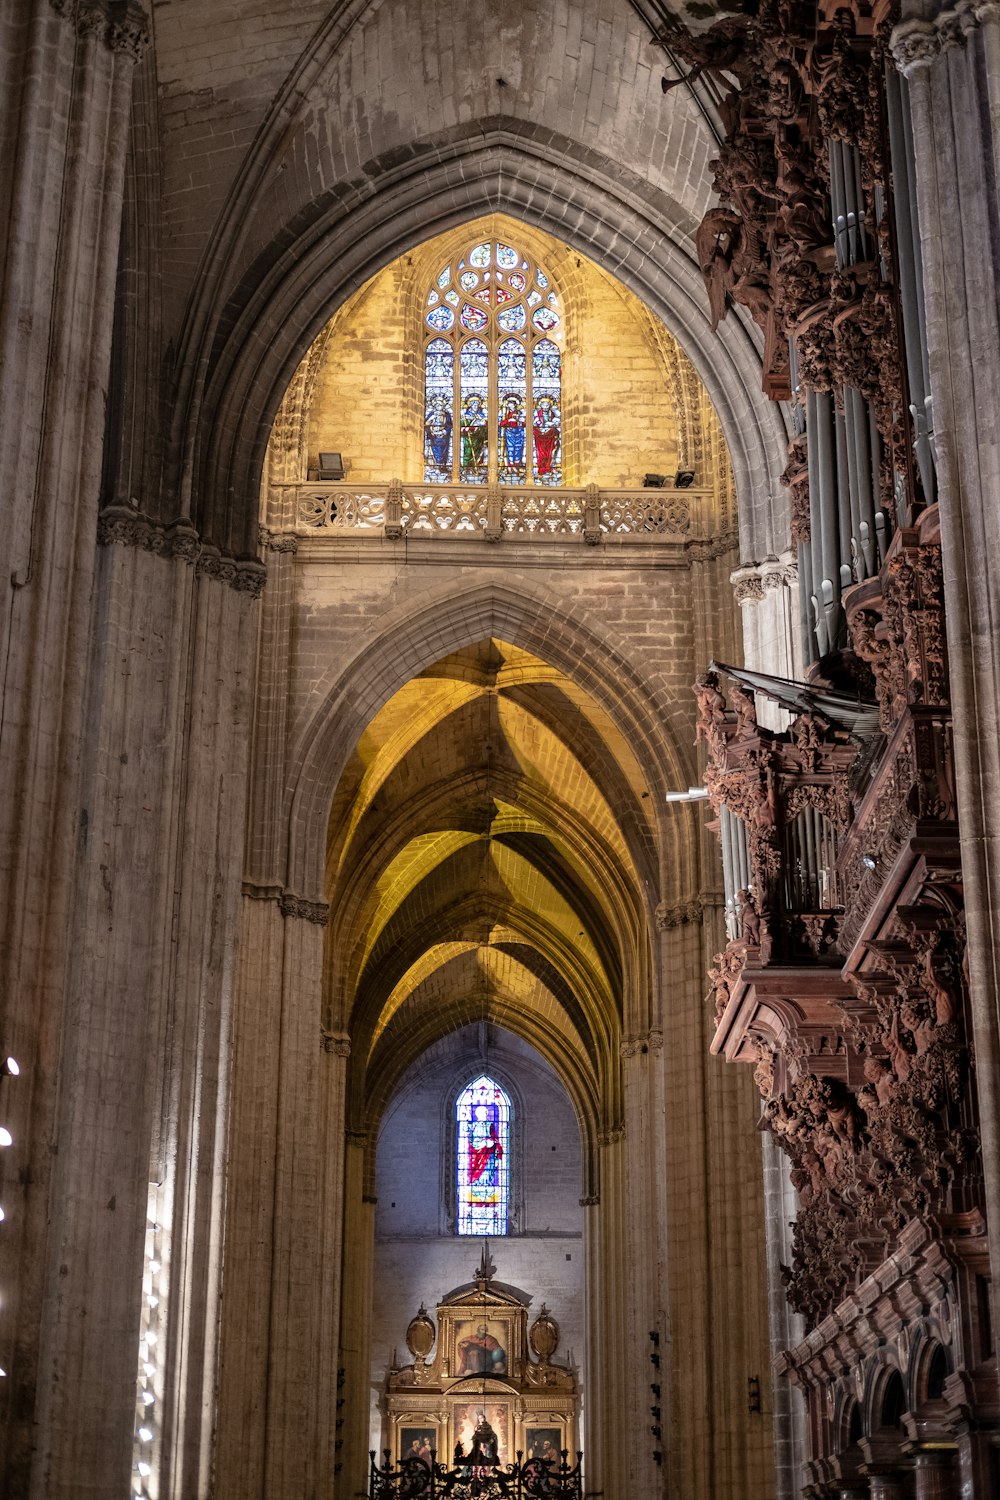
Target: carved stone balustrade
394, 509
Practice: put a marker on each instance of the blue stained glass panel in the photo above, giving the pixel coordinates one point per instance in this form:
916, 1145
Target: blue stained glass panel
441, 318
512, 319
546, 400
444, 278
482, 1115
512, 368
474, 371
480, 256
439, 416
507, 257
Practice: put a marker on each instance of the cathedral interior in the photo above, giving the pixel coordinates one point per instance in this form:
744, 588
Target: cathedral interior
500, 791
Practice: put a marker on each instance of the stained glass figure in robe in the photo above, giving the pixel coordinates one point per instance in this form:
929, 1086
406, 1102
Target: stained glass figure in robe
474, 365
483, 1171
546, 393
491, 320
439, 397
513, 394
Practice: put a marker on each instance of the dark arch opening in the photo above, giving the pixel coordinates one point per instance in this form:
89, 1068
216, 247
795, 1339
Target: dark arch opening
893, 1401
937, 1374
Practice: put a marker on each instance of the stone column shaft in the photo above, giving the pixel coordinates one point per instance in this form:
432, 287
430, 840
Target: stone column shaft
952, 64
63, 133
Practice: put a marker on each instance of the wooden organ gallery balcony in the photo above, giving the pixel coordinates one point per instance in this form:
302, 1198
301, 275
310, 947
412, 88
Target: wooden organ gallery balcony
844, 986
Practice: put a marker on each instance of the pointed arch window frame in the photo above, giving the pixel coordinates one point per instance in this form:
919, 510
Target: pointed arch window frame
482, 1177
493, 372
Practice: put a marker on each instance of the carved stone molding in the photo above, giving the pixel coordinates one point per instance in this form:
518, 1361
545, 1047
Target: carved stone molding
262, 892
590, 1201
289, 904
308, 911
337, 1042
648, 1041
918, 43
122, 27
708, 551
748, 586
669, 917
611, 1137
278, 541
754, 581
127, 526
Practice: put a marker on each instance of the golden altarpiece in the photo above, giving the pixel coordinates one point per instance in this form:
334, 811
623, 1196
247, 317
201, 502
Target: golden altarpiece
478, 1362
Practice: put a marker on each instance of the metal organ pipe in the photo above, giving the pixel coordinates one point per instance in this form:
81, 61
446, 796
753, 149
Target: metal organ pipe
735, 865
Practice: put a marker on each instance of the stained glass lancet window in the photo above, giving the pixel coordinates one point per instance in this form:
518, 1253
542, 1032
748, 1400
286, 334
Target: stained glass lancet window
493, 368
483, 1158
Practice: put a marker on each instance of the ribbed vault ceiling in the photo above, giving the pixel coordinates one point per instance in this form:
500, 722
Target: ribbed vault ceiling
488, 845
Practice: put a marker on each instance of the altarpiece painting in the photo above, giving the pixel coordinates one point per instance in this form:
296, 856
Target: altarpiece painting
480, 1359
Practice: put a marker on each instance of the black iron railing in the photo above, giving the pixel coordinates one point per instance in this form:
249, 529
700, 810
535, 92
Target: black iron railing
525, 1479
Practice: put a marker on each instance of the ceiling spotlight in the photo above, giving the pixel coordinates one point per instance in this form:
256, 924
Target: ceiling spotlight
869, 861
9, 1065
6, 1139
683, 479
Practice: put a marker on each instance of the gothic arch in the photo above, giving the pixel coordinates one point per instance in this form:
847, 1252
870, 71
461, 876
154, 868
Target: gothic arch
301, 281
446, 619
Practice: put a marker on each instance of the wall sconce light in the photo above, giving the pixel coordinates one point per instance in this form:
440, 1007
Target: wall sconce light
753, 1394
653, 481
683, 479
9, 1068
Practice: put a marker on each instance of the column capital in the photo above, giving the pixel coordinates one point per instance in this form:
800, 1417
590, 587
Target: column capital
121, 25
123, 524
917, 43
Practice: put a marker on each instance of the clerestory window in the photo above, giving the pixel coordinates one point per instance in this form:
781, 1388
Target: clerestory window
482, 1164
493, 371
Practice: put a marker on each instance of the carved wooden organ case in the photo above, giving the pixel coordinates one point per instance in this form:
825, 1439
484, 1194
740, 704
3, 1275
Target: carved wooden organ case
844, 982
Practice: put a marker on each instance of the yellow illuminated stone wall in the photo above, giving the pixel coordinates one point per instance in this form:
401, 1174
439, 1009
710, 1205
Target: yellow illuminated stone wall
625, 380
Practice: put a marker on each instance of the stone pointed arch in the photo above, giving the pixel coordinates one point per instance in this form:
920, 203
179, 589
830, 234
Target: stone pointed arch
591, 203
442, 620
